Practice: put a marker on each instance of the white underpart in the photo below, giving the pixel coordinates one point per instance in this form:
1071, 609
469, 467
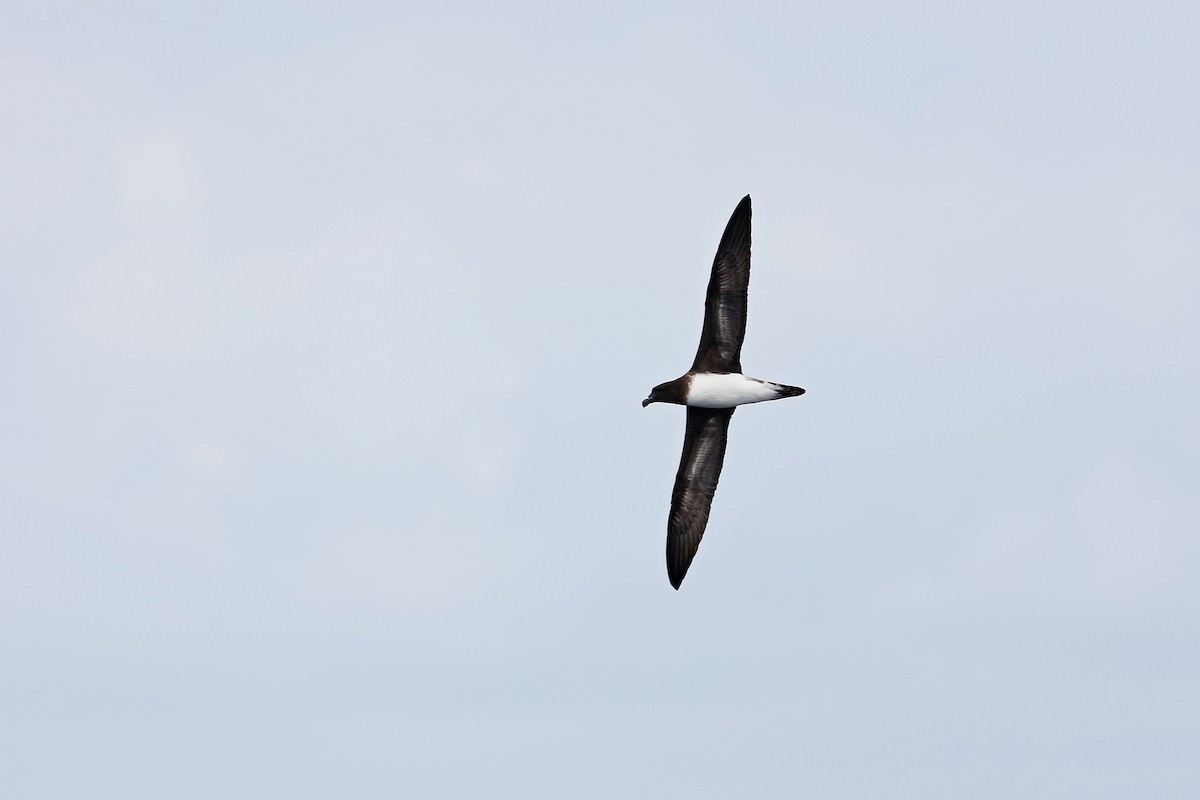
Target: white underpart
717, 390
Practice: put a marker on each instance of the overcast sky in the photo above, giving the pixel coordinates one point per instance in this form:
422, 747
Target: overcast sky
324, 330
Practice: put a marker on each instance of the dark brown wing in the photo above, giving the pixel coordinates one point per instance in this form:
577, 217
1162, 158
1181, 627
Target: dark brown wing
725, 306
695, 484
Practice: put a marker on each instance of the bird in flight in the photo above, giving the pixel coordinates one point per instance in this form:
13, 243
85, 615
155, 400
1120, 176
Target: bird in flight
711, 390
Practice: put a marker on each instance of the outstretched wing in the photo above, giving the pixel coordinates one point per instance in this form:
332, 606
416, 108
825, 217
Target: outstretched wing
695, 484
725, 305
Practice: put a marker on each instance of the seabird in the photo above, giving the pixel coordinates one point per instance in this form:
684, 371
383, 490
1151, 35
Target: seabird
710, 390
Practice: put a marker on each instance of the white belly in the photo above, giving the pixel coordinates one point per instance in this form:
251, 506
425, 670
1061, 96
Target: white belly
712, 390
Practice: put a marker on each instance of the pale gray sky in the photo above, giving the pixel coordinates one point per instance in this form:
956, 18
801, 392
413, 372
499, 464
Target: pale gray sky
324, 331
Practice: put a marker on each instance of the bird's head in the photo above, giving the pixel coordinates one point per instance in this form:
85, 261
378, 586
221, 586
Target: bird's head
669, 392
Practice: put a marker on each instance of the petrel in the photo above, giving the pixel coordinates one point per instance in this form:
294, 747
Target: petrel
710, 390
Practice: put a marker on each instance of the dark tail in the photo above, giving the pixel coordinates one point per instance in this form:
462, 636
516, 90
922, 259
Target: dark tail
788, 391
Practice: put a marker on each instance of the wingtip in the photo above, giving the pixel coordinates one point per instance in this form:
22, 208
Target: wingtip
675, 575
737, 230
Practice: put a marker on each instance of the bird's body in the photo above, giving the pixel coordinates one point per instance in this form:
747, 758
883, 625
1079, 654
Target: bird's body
729, 389
711, 390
